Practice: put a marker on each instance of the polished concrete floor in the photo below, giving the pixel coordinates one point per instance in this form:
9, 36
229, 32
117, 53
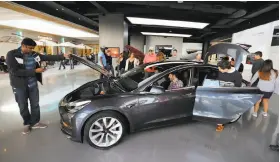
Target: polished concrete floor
245, 141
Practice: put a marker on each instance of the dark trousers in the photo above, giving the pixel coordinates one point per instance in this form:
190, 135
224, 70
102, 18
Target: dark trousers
110, 68
22, 95
4, 68
61, 64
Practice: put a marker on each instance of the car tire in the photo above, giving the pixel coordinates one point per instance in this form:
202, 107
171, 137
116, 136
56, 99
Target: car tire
235, 119
104, 135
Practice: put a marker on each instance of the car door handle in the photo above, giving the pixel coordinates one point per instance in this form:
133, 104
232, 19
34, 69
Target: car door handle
131, 105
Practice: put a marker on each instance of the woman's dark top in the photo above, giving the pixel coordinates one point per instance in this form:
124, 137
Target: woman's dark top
130, 65
122, 64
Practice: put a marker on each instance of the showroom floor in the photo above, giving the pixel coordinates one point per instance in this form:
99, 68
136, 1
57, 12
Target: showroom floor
247, 140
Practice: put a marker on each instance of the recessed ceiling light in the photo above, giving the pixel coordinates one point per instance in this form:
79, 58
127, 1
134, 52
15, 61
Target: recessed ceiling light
161, 22
166, 34
38, 25
57, 9
62, 9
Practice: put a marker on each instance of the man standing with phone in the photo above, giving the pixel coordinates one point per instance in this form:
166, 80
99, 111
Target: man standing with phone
25, 71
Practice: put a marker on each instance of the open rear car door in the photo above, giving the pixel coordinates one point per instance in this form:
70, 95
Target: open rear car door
221, 104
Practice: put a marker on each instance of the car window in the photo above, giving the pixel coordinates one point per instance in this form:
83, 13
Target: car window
182, 75
137, 76
202, 73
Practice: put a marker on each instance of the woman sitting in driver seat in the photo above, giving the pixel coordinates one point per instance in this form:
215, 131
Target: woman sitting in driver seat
175, 82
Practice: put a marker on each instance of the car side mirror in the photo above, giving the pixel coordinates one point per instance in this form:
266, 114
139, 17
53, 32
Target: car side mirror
157, 90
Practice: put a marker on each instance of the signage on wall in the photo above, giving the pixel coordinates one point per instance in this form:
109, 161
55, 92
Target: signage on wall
45, 37
114, 51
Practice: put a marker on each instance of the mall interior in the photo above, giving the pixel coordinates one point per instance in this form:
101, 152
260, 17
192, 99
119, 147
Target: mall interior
96, 102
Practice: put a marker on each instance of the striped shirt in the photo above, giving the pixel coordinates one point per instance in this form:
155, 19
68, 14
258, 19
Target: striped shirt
176, 84
30, 64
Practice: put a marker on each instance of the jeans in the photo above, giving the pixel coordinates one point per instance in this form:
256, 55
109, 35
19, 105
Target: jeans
71, 63
22, 95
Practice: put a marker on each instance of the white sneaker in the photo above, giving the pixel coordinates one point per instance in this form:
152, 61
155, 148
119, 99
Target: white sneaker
265, 114
255, 114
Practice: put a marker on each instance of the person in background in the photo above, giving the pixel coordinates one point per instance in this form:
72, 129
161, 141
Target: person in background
258, 62
25, 71
160, 56
121, 64
150, 57
131, 62
198, 58
174, 56
102, 59
109, 61
71, 63
228, 74
3, 65
241, 67
61, 62
175, 82
267, 79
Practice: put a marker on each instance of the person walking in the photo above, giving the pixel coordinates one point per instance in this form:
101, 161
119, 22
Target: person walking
25, 71
61, 62
71, 63
267, 79
102, 59
131, 62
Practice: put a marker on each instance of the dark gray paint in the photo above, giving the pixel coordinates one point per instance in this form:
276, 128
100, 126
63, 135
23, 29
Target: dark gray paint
145, 110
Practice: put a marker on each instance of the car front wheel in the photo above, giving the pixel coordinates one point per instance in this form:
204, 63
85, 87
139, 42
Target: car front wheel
104, 130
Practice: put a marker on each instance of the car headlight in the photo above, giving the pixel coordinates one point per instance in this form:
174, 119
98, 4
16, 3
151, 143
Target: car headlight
77, 105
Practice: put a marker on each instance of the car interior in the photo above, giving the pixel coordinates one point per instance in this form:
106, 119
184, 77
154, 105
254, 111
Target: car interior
164, 82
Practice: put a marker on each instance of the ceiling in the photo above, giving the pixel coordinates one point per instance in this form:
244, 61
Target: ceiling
224, 18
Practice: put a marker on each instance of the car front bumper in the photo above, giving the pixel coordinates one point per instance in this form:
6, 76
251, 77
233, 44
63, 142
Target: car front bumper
66, 126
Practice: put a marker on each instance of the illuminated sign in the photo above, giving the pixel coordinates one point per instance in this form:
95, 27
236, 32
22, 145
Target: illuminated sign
45, 38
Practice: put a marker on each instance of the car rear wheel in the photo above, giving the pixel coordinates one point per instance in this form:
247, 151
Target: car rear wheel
236, 118
104, 130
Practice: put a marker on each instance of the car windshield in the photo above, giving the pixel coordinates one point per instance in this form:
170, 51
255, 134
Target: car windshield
132, 78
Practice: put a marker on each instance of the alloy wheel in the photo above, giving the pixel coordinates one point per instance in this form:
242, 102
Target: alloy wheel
105, 131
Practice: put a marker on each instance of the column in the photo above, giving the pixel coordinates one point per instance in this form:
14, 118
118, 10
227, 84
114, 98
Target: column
113, 32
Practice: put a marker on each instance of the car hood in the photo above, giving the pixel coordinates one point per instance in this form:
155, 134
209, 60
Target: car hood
91, 65
233, 50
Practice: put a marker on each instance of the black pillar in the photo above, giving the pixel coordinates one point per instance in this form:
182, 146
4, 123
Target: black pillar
205, 47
